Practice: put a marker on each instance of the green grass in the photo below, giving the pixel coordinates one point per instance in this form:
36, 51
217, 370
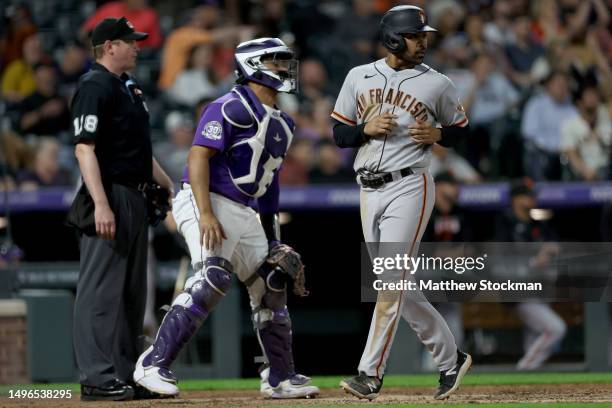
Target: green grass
421, 380
417, 380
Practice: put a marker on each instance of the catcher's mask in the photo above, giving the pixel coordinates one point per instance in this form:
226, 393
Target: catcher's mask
269, 62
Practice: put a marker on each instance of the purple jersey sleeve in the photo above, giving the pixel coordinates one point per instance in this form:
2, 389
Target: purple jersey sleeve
213, 130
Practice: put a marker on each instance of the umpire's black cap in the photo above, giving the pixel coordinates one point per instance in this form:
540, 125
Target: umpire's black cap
115, 29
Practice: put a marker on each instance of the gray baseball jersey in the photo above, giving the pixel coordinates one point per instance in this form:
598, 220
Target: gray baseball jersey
399, 210
418, 94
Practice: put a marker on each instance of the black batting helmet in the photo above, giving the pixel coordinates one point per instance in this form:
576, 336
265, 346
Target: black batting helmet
402, 20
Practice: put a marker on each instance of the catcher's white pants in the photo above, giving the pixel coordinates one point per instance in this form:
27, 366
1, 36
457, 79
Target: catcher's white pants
399, 212
246, 246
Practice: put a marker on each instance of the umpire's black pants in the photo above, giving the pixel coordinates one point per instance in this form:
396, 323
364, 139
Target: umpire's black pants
111, 293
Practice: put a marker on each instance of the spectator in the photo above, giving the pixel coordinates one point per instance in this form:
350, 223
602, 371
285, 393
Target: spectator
329, 168
586, 137
474, 30
546, 25
320, 121
14, 153
588, 63
46, 171
44, 112
488, 97
448, 161
172, 154
143, 17
200, 28
17, 26
271, 19
523, 52
354, 37
199, 80
498, 31
446, 16
582, 16
556, 58
541, 128
72, 64
18, 78
314, 82
298, 162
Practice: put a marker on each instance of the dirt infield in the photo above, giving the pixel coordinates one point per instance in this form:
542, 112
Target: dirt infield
559, 393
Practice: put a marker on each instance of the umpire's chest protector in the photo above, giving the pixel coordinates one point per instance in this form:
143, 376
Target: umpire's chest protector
254, 159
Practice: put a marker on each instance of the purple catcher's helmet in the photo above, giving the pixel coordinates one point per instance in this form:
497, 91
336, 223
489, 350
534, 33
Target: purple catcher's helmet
250, 57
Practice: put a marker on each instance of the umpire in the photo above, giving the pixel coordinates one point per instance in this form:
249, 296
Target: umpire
113, 148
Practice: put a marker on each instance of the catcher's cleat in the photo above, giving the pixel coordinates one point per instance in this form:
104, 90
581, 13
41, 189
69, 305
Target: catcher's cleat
362, 386
298, 386
450, 379
155, 379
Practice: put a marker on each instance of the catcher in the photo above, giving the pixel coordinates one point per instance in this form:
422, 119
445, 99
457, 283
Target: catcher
238, 148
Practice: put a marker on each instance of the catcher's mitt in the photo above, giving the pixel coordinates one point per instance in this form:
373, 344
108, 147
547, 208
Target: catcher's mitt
290, 262
157, 204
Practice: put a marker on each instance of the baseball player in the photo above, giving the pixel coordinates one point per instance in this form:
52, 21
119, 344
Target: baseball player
544, 328
238, 148
394, 110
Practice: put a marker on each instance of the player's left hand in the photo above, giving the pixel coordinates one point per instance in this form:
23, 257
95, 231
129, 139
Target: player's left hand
422, 132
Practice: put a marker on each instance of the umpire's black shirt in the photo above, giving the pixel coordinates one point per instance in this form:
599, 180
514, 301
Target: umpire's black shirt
111, 111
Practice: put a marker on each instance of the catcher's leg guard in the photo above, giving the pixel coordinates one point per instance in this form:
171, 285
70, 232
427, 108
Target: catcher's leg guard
273, 325
273, 328
188, 312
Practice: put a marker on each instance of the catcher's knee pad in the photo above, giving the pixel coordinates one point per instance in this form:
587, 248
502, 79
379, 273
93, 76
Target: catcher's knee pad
274, 277
263, 317
211, 282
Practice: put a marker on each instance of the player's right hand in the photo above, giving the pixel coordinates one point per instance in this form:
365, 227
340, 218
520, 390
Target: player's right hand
105, 222
211, 231
380, 126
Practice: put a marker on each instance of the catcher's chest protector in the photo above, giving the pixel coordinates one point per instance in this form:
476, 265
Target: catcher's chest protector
252, 162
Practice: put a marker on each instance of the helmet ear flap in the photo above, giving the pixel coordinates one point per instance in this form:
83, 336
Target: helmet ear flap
394, 42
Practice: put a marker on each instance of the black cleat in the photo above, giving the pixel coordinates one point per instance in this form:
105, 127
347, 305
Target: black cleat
141, 393
113, 390
450, 379
362, 386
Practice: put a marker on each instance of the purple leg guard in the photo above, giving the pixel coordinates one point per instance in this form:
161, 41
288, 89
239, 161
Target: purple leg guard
188, 312
273, 326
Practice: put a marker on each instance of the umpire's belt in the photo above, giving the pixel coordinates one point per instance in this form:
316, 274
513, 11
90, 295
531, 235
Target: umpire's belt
142, 187
378, 180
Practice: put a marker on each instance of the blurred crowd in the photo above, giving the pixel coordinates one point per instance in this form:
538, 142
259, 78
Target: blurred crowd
534, 77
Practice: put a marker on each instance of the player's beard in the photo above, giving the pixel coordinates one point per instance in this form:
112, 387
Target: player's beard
419, 56
414, 59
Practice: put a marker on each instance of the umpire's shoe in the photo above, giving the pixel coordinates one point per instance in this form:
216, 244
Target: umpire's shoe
450, 379
112, 390
362, 386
